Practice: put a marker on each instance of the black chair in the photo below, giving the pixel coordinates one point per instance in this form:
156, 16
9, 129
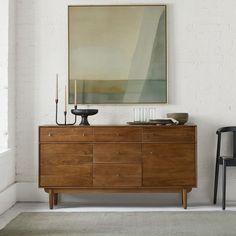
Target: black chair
224, 161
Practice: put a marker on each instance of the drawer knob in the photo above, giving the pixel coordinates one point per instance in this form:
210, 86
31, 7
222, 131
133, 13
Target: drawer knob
83, 134
117, 134
118, 175
50, 134
151, 152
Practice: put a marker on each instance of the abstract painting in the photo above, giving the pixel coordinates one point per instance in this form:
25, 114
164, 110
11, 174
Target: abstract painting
117, 54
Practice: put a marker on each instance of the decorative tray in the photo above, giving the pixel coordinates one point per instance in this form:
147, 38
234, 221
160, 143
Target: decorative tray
140, 123
162, 122
154, 122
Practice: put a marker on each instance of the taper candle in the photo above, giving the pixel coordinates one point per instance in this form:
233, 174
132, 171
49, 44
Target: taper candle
75, 93
65, 100
56, 86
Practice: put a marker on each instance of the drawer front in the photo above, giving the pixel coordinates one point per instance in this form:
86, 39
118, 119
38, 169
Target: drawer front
66, 175
66, 134
66, 165
117, 175
65, 154
117, 134
117, 153
169, 134
169, 165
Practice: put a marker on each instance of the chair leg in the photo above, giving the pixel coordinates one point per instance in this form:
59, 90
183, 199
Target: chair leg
216, 180
223, 184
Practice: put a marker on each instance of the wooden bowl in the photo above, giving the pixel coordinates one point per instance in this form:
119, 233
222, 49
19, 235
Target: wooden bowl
181, 117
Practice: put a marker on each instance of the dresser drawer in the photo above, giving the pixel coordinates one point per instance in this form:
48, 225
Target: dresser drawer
117, 153
65, 175
65, 153
117, 134
66, 134
117, 175
169, 134
169, 165
66, 165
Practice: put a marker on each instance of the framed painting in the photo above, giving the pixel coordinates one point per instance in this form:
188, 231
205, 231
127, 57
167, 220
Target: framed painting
117, 54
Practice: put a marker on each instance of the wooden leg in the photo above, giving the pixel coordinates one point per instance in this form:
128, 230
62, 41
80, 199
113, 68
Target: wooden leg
223, 184
55, 199
51, 198
216, 180
184, 198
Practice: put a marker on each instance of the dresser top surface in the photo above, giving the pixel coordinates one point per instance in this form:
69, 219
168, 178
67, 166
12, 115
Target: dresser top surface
116, 125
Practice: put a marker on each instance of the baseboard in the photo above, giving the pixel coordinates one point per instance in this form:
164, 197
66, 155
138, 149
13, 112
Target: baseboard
7, 198
30, 192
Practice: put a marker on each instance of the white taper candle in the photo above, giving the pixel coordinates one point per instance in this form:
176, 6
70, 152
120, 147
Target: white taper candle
56, 86
65, 100
75, 93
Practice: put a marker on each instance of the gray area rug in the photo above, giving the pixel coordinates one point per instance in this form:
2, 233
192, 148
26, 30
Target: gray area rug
118, 223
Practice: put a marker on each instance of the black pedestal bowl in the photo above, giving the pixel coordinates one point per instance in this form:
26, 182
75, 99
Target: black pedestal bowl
84, 113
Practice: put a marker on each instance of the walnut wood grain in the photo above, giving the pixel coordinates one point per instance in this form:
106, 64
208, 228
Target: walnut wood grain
66, 175
169, 134
51, 198
114, 175
117, 134
127, 189
184, 198
117, 159
169, 165
67, 134
65, 154
117, 153
65, 181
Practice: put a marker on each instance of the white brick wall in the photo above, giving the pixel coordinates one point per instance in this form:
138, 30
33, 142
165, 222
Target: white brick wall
3, 117
202, 72
4, 26
7, 104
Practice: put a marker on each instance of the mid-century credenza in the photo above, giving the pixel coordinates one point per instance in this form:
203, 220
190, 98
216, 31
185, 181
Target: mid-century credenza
117, 158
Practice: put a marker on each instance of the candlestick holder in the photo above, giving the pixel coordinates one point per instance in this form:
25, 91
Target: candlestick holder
65, 116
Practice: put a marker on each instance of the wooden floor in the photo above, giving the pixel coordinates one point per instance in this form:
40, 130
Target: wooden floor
75, 207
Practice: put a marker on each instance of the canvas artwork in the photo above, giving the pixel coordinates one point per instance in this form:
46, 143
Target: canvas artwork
117, 54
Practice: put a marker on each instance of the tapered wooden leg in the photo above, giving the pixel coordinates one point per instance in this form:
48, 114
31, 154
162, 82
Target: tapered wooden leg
184, 198
51, 198
55, 199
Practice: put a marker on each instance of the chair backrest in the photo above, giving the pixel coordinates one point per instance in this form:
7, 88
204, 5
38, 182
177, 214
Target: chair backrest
223, 130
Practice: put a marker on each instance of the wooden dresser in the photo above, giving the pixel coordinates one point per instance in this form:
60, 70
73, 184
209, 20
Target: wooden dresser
117, 159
